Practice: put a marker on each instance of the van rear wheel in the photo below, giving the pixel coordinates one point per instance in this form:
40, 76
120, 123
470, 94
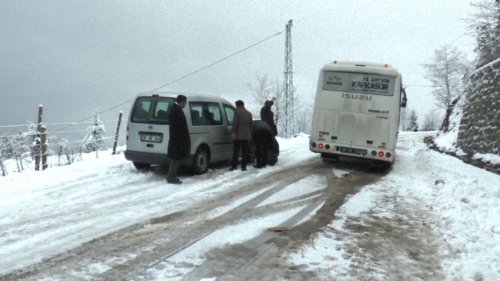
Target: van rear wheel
141, 166
201, 160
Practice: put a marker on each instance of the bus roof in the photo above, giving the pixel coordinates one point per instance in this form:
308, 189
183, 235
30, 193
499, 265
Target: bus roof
358, 66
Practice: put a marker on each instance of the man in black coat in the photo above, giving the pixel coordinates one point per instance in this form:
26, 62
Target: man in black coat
179, 143
267, 116
266, 146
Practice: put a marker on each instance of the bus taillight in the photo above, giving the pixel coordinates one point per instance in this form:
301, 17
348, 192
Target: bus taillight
381, 153
320, 145
388, 155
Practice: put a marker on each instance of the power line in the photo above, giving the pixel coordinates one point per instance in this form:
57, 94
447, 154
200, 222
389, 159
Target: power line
184, 76
219, 61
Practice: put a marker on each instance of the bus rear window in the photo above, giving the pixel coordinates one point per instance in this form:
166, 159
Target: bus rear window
358, 83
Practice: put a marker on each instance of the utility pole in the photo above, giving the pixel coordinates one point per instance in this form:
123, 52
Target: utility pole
288, 87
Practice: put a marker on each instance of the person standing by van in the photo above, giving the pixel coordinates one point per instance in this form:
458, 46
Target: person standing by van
267, 116
179, 143
242, 127
262, 139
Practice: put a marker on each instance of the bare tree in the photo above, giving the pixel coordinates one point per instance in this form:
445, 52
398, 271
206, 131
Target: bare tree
303, 119
447, 74
431, 121
265, 89
262, 89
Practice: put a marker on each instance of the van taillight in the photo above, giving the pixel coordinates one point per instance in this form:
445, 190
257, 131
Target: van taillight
127, 134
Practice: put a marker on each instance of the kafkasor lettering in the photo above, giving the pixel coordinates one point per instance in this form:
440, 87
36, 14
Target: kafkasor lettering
369, 86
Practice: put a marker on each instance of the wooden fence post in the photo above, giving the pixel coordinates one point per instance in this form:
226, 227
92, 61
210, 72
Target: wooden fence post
2, 167
38, 143
117, 131
44, 147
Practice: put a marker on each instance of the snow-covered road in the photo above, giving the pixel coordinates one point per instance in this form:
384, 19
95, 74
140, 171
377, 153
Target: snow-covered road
432, 217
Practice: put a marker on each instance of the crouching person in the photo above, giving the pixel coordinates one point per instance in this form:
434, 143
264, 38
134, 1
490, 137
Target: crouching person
266, 146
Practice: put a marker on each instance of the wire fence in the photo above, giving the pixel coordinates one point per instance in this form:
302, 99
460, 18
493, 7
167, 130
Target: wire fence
20, 150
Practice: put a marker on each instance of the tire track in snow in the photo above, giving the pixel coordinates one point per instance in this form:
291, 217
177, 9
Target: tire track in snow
128, 253
239, 189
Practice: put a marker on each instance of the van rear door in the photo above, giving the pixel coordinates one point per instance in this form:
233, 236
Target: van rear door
148, 127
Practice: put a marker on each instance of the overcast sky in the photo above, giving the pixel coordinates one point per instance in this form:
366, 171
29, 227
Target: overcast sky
76, 57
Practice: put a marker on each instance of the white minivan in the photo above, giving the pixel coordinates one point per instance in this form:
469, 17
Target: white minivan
209, 121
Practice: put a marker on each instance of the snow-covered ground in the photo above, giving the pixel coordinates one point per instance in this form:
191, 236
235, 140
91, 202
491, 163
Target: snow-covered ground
46, 213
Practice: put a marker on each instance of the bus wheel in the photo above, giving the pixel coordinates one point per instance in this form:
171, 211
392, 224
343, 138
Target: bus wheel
141, 166
201, 160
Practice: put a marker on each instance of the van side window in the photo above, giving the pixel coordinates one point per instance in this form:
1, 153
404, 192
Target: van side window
229, 113
214, 114
205, 113
195, 110
141, 110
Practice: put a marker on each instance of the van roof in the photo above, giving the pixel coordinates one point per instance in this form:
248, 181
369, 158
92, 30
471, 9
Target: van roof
190, 96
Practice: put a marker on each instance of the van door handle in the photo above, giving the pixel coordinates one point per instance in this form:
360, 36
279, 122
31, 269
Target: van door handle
150, 145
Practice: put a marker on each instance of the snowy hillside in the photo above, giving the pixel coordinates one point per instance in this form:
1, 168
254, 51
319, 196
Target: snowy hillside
480, 124
472, 130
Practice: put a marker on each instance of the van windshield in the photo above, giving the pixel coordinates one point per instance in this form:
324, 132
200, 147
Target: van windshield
151, 110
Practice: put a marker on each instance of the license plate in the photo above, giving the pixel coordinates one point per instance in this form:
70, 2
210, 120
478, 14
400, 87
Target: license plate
351, 150
151, 137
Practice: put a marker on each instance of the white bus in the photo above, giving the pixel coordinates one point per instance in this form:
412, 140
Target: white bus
357, 111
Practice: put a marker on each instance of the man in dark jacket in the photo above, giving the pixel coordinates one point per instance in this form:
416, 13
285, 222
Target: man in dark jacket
179, 143
242, 130
266, 146
267, 116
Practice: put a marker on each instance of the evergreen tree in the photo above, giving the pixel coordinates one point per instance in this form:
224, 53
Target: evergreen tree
485, 25
413, 121
93, 140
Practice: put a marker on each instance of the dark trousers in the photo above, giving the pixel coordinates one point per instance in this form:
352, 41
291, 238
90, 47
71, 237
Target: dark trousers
237, 146
263, 141
172, 169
